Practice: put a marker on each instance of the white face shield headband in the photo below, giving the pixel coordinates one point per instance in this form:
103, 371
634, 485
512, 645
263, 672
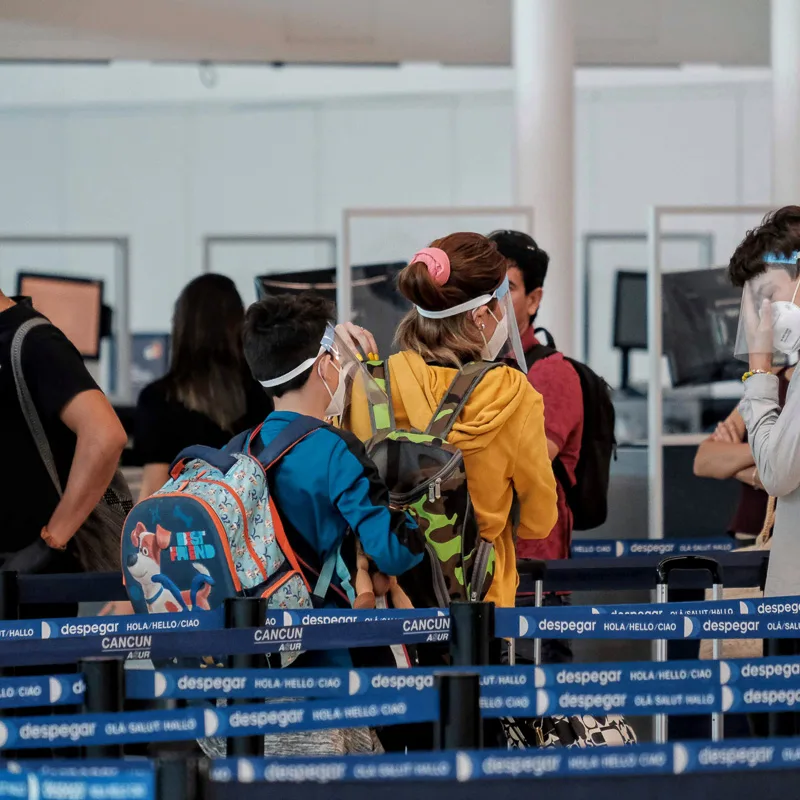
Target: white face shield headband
327, 345
511, 346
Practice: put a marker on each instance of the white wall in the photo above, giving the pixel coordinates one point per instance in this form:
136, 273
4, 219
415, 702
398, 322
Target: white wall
168, 175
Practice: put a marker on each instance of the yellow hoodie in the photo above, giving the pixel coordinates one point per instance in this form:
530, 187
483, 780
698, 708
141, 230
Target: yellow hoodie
501, 434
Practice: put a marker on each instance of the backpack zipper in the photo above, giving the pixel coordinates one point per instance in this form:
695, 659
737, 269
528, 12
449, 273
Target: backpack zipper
439, 584
270, 590
482, 556
432, 487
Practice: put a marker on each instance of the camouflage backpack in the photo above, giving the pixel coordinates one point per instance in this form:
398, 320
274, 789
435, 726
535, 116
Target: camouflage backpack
426, 477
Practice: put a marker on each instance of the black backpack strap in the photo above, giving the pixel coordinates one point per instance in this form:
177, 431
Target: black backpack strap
462, 386
537, 353
292, 434
562, 476
381, 411
26, 404
548, 337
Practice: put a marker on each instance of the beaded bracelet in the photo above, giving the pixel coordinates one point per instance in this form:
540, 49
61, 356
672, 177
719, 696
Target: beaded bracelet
755, 372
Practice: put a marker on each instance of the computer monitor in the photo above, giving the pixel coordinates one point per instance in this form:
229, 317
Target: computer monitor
630, 319
377, 305
74, 305
701, 318
630, 310
150, 353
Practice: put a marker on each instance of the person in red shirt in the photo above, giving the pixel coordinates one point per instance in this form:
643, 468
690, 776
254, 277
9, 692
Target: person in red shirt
558, 383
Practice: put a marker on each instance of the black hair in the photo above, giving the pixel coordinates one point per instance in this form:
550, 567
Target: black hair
280, 333
207, 372
523, 251
778, 233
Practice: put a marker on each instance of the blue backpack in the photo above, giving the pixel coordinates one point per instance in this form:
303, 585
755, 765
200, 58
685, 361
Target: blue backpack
213, 532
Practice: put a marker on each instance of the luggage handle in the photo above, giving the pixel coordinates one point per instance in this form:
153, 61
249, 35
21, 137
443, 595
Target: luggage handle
690, 563
536, 569
664, 569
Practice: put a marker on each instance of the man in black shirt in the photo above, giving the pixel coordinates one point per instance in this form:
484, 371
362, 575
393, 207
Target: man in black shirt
84, 434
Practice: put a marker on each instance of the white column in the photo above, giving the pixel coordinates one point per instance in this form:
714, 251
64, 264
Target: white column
785, 102
543, 59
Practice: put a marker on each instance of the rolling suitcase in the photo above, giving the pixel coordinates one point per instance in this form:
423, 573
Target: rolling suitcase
665, 568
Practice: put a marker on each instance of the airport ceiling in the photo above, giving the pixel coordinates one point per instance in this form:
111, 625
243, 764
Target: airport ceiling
453, 32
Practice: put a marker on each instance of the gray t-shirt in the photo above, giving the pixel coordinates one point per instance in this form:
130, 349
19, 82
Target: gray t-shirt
774, 436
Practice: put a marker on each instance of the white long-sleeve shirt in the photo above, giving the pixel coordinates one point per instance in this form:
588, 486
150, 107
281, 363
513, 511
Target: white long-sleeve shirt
774, 437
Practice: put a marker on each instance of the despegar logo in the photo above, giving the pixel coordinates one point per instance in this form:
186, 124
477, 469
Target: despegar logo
409, 681
52, 731
261, 719
567, 626
730, 626
89, 628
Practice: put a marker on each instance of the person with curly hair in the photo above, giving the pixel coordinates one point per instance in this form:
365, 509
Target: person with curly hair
767, 265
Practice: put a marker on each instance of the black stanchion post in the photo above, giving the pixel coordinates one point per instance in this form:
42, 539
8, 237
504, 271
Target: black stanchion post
245, 612
9, 595
782, 723
9, 606
181, 778
459, 726
105, 690
471, 634
471, 637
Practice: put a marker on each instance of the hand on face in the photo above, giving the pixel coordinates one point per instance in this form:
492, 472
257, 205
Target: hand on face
759, 335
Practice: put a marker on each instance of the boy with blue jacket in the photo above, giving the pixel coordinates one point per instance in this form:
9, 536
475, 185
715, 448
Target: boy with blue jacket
326, 486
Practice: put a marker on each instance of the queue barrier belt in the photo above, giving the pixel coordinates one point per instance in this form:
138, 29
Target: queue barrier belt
633, 688
620, 548
597, 573
641, 759
71, 780
135, 780
167, 636
395, 698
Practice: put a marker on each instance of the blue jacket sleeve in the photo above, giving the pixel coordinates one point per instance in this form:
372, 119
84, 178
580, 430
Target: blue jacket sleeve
389, 537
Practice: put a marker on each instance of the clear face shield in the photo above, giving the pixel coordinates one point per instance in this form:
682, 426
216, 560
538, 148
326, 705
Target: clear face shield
342, 373
769, 320
498, 328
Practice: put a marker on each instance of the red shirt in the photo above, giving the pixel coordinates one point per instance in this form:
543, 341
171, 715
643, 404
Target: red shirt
558, 383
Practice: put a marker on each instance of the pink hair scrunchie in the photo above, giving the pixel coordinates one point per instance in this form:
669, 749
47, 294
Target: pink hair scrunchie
437, 262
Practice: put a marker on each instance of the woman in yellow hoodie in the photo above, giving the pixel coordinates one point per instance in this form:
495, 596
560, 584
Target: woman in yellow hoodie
500, 431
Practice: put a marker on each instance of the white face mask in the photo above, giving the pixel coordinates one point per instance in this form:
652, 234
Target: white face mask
497, 339
336, 406
786, 325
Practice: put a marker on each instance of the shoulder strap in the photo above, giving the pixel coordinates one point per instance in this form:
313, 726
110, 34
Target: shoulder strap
26, 401
468, 377
548, 337
292, 434
381, 412
240, 442
325, 577
537, 353
562, 476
